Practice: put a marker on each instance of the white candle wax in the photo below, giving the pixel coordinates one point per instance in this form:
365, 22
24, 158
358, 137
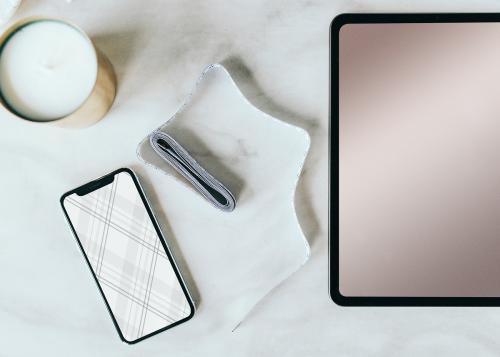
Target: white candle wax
47, 70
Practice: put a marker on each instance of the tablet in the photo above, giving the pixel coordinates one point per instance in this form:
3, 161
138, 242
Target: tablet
415, 159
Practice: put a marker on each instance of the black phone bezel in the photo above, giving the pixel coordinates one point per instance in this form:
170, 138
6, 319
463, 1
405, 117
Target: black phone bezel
333, 233
101, 182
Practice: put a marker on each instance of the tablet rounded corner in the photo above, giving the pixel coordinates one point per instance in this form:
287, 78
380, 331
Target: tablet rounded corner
339, 21
338, 298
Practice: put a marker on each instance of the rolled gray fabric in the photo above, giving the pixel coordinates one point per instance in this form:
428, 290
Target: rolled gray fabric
173, 153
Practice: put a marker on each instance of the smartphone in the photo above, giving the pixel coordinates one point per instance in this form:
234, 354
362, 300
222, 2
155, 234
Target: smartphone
129, 259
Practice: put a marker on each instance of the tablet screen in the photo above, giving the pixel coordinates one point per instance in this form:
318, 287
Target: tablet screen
419, 159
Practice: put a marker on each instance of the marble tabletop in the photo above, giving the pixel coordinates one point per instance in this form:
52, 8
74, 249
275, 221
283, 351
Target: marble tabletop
158, 49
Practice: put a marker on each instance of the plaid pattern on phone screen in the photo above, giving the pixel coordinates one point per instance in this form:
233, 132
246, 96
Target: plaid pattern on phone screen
127, 257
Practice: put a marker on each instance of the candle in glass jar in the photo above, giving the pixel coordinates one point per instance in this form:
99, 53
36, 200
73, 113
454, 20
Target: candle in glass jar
48, 69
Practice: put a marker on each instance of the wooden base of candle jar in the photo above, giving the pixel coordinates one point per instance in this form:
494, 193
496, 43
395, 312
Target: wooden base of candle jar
100, 99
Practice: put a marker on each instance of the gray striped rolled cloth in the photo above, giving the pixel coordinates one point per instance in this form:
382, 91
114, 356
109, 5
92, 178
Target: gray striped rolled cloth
173, 153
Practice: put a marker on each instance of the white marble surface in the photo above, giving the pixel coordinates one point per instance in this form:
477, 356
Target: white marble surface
159, 48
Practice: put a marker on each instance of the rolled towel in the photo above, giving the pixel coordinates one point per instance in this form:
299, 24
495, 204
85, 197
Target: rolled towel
173, 153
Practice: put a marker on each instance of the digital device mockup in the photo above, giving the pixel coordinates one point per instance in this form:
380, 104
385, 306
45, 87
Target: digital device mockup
415, 159
127, 255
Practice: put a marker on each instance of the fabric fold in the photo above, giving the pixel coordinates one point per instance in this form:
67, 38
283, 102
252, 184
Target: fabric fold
180, 159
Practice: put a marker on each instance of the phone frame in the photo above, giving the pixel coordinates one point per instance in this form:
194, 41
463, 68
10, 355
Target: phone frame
333, 188
104, 181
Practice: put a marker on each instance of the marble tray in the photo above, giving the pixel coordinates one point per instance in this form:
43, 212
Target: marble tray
259, 158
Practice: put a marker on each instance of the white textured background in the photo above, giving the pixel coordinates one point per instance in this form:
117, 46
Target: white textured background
158, 49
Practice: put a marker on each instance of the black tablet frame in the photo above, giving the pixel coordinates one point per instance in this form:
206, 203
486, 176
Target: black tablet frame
101, 182
333, 233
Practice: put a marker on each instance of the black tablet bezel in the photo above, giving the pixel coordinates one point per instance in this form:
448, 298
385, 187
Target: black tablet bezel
101, 182
335, 294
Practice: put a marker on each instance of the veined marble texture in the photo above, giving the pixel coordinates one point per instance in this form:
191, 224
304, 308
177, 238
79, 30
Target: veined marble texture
259, 244
278, 54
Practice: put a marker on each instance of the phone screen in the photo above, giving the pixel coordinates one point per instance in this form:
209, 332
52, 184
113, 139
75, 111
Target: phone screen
131, 264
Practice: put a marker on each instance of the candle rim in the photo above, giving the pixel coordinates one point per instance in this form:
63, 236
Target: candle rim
18, 26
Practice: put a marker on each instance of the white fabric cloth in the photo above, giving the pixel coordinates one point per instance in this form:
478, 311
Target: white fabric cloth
7, 9
254, 252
